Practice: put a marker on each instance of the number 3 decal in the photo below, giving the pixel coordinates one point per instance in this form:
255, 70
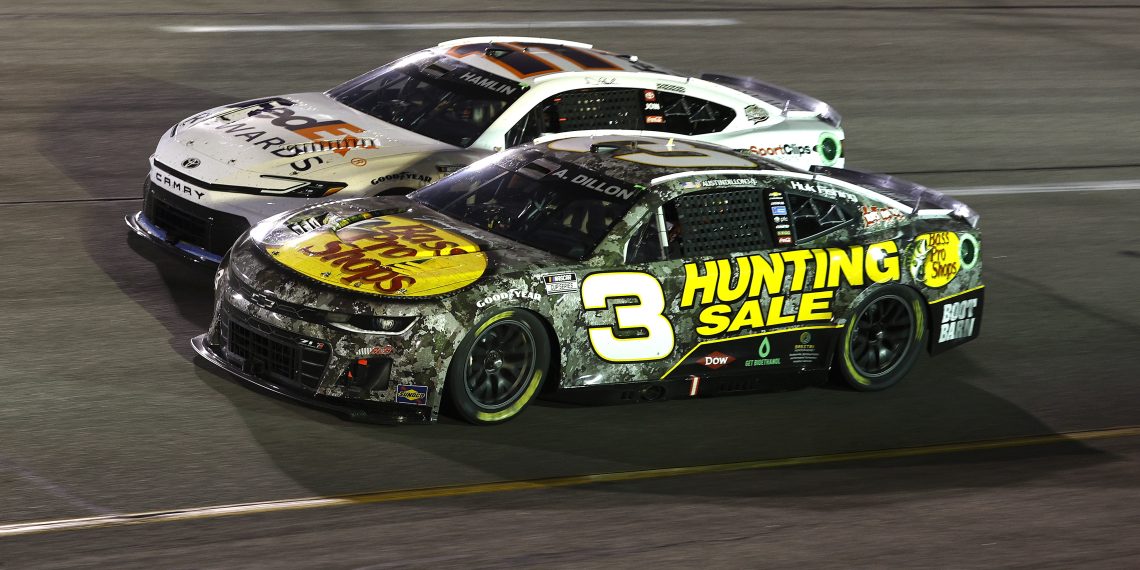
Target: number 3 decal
646, 315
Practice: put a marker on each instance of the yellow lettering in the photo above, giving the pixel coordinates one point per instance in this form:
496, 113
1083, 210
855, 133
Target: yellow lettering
769, 275
725, 292
715, 319
820, 268
815, 306
776, 314
883, 262
849, 264
749, 316
694, 282
799, 258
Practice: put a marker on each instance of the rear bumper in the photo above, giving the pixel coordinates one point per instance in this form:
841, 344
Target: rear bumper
362, 411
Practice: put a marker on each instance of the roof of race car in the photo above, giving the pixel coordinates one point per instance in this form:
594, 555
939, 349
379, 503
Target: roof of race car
524, 59
640, 159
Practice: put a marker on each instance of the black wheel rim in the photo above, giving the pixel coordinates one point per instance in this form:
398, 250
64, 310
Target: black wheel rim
882, 336
500, 364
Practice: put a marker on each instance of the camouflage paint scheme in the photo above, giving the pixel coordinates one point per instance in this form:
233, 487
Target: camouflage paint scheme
422, 354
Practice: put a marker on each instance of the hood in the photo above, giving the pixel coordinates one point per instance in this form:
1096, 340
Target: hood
291, 135
385, 247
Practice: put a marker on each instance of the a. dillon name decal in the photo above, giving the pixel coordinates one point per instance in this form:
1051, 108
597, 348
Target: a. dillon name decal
760, 281
388, 255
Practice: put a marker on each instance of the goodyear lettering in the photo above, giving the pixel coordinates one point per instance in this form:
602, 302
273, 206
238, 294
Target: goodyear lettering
510, 295
781, 288
400, 176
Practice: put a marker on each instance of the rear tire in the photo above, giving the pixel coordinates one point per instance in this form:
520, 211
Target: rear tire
882, 339
499, 367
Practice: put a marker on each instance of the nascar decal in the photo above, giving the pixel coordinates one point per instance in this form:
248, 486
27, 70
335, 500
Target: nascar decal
935, 258
387, 255
760, 282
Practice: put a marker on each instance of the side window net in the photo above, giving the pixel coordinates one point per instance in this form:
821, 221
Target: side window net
815, 216
721, 222
689, 115
599, 109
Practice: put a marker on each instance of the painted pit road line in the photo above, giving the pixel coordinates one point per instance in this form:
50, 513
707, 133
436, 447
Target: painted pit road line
197, 513
530, 25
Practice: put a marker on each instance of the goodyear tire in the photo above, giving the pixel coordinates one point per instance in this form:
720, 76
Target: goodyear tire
882, 339
499, 367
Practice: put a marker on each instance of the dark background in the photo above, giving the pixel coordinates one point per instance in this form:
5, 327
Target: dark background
105, 410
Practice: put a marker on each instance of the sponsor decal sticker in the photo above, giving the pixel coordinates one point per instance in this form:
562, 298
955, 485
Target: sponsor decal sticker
654, 119
782, 150
509, 295
411, 394
935, 258
957, 320
717, 360
779, 210
781, 288
804, 352
756, 114
314, 344
558, 283
387, 255
784, 240
358, 161
650, 95
400, 176
376, 351
763, 351
882, 217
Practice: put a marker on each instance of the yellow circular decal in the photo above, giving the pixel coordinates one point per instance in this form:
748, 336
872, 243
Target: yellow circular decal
386, 255
935, 258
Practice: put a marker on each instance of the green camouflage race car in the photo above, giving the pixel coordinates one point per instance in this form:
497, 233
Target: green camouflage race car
615, 268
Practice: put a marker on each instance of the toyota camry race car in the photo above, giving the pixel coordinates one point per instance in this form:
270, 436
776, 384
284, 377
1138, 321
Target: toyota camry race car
415, 120
604, 268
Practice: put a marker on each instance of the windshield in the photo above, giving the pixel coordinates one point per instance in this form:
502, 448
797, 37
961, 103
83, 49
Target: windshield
531, 198
437, 96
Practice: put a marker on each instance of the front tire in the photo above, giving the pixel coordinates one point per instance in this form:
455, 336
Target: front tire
499, 367
882, 339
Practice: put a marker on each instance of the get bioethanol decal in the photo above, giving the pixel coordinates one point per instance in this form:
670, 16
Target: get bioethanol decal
387, 255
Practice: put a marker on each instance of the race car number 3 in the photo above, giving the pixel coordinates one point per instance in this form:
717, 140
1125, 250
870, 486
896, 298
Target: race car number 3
645, 333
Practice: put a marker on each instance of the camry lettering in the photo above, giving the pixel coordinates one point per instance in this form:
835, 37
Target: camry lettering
177, 185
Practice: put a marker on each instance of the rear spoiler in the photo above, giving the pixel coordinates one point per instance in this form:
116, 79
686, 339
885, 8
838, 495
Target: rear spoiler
779, 97
922, 201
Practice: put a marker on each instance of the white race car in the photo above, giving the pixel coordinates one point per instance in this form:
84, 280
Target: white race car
422, 117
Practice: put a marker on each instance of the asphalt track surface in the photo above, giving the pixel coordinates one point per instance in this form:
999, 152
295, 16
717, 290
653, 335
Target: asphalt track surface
105, 410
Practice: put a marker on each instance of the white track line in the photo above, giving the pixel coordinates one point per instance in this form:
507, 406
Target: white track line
528, 25
1044, 188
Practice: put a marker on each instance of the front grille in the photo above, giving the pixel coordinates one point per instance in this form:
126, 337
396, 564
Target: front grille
272, 354
185, 221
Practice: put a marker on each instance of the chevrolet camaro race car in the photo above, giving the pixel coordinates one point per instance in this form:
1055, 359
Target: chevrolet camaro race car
422, 117
602, 268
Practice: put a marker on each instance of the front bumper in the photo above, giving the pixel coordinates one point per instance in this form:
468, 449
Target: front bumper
354, 410
191, 230
144, 228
